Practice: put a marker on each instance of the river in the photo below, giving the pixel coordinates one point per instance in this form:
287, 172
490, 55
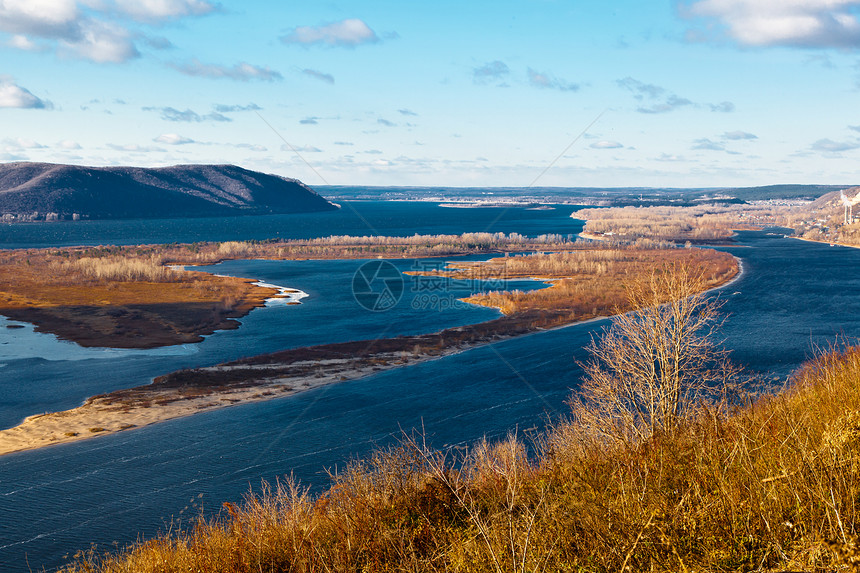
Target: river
793, 297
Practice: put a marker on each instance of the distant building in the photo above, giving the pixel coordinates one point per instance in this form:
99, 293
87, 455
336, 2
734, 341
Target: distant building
52, 217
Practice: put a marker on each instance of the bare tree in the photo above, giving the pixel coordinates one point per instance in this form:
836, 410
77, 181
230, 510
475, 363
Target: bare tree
648, 370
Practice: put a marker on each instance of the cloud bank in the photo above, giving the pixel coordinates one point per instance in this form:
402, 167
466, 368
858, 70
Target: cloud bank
242, 71
92, 30
347, 33
797, 23
14, 96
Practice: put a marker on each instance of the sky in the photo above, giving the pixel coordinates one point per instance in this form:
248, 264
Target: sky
644, 93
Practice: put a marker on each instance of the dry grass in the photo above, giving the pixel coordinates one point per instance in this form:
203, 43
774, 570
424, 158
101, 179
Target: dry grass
101, 298
587, 282
346, 247
129, 297
121, 269
701, 223
771, 487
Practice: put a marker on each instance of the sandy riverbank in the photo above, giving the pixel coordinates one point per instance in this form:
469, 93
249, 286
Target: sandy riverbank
284, 373
108, 414
831, 243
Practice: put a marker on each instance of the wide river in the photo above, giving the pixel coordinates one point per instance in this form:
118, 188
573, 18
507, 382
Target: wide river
794, 297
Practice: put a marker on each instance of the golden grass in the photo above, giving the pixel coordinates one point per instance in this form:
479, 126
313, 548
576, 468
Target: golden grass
587, 282
771, 486
700, 223
127, 296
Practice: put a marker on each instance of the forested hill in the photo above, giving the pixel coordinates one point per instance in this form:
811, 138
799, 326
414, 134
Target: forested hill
34, 191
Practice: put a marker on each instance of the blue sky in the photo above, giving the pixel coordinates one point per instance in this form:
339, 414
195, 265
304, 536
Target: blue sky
690, 93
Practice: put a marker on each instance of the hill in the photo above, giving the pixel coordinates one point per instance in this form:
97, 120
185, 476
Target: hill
771, 192
832, 202
30, 191
770, 486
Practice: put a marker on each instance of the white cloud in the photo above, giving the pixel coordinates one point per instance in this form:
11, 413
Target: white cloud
724, 107
669, 157
302, 149
830, 146
705, 143
799, 23
641, 90
61, 21
656, 99
662, 100
491, 71
44, 18
133, 147
14, 96
13, 157
347, 33
68, 144
18, 143
172, 139
224, 108
546, 80
189, 115
91, 29
327, 78
159, 10
606, 144
100, 42
739, 135
158, 42
242, 71
252, 147
25, 44
671, 103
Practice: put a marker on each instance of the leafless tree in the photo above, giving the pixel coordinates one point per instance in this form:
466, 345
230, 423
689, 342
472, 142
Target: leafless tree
652, 366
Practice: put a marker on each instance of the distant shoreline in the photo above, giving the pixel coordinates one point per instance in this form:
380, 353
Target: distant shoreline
831, 243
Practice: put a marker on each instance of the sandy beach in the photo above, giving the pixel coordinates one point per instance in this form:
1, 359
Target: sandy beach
107, 414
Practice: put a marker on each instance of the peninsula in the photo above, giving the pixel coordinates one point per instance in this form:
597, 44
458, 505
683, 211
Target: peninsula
586, 282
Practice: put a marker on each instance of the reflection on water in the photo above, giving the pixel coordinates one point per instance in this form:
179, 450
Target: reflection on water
21, 341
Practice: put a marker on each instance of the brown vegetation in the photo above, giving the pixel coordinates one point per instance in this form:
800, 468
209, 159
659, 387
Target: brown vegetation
593, 289
346, 247
118, 301
824, 219
771, 485
127, 296
651, 368
698, 224
589, 281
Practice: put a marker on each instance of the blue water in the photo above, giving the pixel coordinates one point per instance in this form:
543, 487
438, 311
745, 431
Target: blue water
329, 313
793, 296
357, 218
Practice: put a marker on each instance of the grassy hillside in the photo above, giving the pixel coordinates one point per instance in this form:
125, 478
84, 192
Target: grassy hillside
769, 485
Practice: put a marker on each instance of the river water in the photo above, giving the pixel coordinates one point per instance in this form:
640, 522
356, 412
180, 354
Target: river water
793, 297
